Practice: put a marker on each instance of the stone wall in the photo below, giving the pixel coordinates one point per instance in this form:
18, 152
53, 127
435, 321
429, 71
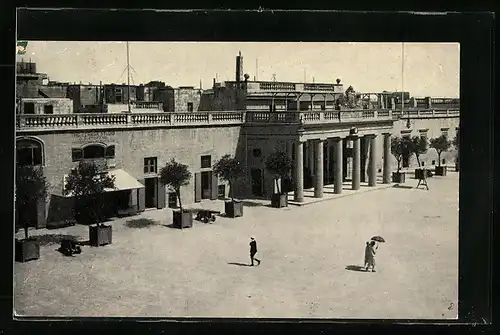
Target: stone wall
183, 96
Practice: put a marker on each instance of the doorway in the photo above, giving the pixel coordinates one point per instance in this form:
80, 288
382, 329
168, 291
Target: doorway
206, 184
406, 160
151, 185
256, 175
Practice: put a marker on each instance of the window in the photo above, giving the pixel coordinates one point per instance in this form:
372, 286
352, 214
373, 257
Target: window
150, 165
221, 194
29, 152
443, 161
48, 109
444, 131
109, 151
29, 108
257, 152
118, 95
190, 106
423, 132
423, 163
206, 161
92, 151
433, 162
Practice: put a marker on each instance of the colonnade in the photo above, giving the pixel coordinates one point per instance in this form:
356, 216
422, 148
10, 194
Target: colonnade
315, 161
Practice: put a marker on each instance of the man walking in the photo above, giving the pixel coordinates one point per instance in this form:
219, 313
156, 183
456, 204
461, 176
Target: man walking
253, 250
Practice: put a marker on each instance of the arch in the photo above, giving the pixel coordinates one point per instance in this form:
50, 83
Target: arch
30, 151
94, 150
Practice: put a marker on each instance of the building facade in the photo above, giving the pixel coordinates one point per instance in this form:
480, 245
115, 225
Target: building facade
332, 136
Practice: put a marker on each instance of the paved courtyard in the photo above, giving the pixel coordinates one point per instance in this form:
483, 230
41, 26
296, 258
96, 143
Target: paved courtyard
307, 254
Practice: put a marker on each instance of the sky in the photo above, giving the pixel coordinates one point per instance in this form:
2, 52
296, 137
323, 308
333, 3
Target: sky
430, 69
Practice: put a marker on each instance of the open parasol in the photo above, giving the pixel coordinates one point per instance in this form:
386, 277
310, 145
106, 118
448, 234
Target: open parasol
378, 239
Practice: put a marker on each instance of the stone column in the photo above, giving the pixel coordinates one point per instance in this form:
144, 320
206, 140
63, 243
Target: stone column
318, 175
132, 199
387, 155
327, 157
299, 172
372, 167
356, 164
289, 150
338, 164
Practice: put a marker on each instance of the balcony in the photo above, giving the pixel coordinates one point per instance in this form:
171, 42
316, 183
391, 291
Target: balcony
318, 117
48, 122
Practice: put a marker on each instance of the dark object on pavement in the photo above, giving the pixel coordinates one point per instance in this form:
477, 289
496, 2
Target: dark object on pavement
206, 215
378, 239
69, 247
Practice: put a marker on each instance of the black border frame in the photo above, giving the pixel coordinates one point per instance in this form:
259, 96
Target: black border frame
473, 30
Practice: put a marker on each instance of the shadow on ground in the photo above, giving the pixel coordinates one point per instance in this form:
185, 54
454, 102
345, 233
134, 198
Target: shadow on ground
48, 239
403, 186
238, 264
247, 203
355, 268
141, 223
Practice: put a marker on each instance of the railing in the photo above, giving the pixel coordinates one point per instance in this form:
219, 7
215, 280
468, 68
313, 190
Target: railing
319, 87
277, 86
95, 120
127, 120
147, 104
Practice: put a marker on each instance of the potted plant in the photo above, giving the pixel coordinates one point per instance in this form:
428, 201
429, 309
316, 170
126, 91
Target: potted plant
230, 169
399, 146
279, 165
87, 183
175, 175
456, 144
441, 144
31, 187
418, 146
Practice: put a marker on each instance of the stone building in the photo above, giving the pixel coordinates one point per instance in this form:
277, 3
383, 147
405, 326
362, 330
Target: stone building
329, 142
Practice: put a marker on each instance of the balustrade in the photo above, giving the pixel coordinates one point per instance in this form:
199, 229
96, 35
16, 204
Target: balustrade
94, 120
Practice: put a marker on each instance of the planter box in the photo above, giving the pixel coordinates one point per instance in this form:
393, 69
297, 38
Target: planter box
441, 170
233, 209
279, 200
100, 235
398, 177
182, 219
27, 250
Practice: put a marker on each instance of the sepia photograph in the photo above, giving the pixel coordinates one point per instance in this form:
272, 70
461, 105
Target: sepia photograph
237, 179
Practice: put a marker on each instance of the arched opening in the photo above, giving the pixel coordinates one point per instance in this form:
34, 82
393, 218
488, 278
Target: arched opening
93, 151
29, 152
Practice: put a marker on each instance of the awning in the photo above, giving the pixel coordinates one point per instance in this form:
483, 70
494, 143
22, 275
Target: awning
123, 181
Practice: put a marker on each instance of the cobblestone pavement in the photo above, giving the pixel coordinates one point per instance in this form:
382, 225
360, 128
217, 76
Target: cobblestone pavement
305, 252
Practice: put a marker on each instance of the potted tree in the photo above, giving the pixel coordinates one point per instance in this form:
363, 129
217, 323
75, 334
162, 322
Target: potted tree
87, 183
399, 146
230, 169
31, 187
175, 175
418, 146
279, 165
441, 144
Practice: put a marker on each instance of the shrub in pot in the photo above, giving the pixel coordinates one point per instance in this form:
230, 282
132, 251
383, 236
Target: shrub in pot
31, 186
87, 183
230, 169
418, 146
175, 175
399, 147
441, 144
279, 165
456, 144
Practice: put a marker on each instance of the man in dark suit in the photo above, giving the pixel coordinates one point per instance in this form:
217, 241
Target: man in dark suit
253, 250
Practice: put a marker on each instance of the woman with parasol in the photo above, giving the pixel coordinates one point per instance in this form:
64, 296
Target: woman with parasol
370, 252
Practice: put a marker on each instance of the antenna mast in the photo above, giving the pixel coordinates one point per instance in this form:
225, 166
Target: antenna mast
128, 78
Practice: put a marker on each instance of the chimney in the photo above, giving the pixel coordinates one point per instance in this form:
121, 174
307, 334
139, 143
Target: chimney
239, 68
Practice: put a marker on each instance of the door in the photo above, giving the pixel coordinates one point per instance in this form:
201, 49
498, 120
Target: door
151, 192
256, 175
206, 185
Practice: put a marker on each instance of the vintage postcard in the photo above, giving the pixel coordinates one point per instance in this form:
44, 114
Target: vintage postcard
237, 179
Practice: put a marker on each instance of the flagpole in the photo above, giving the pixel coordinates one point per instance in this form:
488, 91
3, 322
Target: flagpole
128, 78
